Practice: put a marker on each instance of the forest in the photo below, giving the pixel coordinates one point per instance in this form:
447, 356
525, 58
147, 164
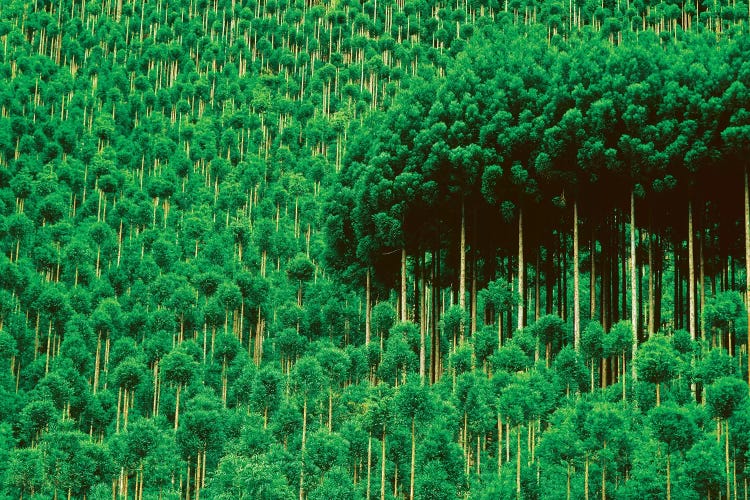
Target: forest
374, 249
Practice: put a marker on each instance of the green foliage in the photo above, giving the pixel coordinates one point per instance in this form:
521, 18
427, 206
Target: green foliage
673, 426
725, 395
657, 360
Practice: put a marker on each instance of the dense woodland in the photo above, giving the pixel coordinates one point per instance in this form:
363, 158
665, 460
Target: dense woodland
387, 249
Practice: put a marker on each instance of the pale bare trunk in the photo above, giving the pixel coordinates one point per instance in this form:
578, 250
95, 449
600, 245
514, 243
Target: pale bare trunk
576, 283
367, 308
521, 287
586, 478
726, 457
499, 444
382, 467
369, 464
633, 286
518, 462
403, 284
422, 325
413, 461
651, 297
302, 451
462, 270
177, 408
691, 271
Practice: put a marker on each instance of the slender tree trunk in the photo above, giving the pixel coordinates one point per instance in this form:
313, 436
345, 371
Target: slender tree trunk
521, 284
177, 407
413, 461
592, 276
369, 464
403, 284
691, 272
549, 277
499, 444
604, 476
423, 314
462, 271
537, 284
473, 291
518, 462
586, 478
367, 308
382, 467
658, 286
302, 451
702, 282
726, 457
633, 287
576, 283
658, 394
651, 275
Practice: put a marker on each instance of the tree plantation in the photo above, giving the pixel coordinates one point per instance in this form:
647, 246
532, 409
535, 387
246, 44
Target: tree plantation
414, 249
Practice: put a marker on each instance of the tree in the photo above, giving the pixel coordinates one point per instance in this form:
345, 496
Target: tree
721, 314
674, 427
723, 397
561, 443
308, 378
26, 470
412, 402
657, 362
178, 368
300, 269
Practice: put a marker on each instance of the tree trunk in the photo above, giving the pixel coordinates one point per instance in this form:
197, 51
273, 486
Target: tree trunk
691, 272
677, 313
518, 462
576, 283
586, 478
302, 451
592, 276
462, 271
423, 315
367, 308
549, 278
633, 287
369, 464
726, 457
473, 291
403, 284
604, 476
177, 407
521, 284
658, 286
413, 461
651, 275
382, 467
658, 394
608, 299
154, 409
499, 444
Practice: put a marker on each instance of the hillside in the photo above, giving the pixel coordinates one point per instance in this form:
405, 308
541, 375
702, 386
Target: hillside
377, 249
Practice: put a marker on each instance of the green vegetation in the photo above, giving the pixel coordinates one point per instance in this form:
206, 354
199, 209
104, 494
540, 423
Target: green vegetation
384, 249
